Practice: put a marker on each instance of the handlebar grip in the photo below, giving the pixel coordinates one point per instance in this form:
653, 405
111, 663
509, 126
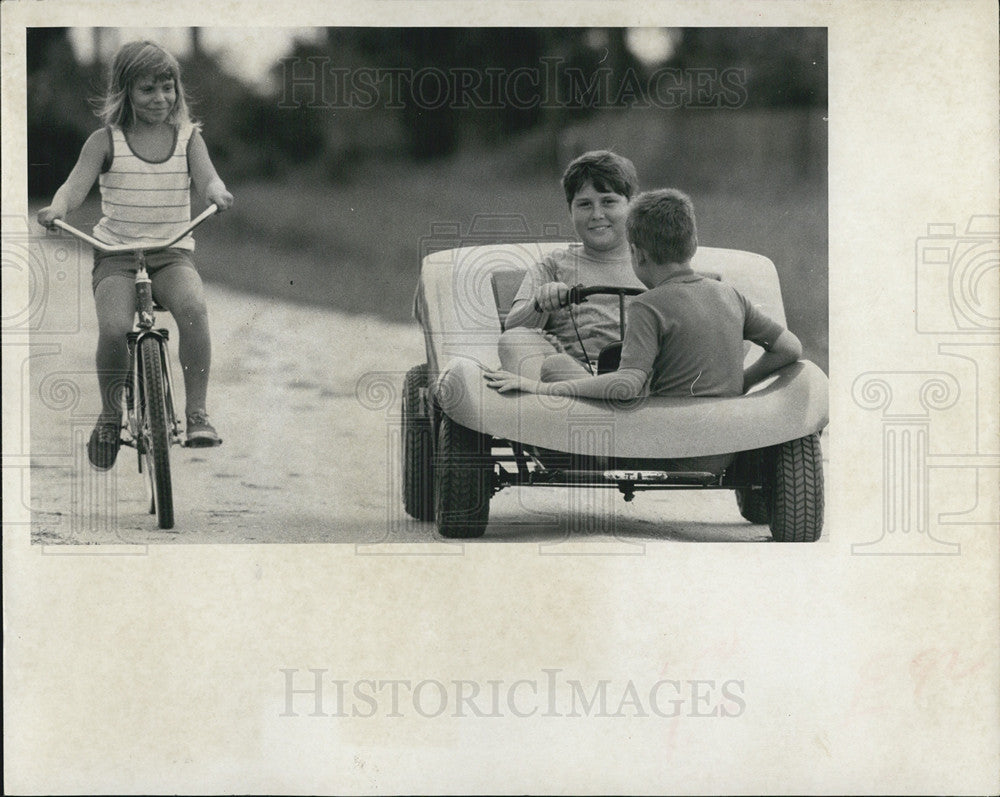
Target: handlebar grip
579, 293
564, 303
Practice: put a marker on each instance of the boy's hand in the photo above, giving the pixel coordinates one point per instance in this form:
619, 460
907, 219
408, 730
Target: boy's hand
220, 196
48, 215
551, 296
786, 349
506, 382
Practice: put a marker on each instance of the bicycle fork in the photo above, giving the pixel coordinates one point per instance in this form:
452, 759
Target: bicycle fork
135, 394
145, 311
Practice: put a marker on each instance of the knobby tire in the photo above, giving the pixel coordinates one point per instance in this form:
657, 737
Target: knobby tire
462, 481
797, 509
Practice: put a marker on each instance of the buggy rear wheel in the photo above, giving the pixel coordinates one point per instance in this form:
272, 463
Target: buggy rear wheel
418, 447
463, 474
797, 501
755, 467
755, 505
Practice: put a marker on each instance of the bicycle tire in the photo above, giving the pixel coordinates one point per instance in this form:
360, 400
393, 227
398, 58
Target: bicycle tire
155, 430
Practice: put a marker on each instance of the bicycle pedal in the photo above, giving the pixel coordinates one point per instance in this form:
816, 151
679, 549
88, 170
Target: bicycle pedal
202, 443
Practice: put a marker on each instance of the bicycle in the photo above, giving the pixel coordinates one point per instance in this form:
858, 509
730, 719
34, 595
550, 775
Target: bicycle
149, 417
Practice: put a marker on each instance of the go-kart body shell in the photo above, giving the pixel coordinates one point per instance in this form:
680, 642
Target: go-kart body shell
456, 308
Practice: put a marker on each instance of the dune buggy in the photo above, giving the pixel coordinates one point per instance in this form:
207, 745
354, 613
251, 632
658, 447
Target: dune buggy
463, 442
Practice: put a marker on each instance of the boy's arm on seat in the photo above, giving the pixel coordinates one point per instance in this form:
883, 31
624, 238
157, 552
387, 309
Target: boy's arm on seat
620, 385
785, 350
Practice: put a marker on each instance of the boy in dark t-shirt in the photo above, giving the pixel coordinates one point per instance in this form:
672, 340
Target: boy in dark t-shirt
684, 336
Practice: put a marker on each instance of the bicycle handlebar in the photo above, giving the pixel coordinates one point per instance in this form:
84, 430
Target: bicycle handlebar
112, 248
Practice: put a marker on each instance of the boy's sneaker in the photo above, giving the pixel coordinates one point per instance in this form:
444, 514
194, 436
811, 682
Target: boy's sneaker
200, 433
105, 440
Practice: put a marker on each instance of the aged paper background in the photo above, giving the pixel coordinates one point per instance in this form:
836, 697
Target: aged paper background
867, 664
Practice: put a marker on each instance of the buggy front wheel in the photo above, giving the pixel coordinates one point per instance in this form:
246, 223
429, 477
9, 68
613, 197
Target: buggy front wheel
154, 430
463, 474
418, 448
797, 500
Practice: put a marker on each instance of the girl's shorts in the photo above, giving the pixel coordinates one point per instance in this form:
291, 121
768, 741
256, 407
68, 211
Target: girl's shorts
107, 264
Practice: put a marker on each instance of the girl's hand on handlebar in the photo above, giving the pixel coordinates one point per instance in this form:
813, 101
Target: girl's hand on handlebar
46, 216
220, 196
551, 296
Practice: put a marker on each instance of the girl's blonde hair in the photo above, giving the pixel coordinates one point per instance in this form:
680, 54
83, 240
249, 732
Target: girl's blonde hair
134, 61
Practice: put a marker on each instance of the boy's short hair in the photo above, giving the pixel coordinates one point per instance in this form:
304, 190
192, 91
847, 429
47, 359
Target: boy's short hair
662, 224
606, 170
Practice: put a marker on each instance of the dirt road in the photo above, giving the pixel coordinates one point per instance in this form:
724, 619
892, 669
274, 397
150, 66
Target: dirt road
307, 402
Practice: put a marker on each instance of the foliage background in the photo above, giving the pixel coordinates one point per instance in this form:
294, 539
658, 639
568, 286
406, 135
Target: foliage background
336, 201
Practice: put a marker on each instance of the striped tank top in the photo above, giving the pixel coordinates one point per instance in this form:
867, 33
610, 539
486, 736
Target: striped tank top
143, 201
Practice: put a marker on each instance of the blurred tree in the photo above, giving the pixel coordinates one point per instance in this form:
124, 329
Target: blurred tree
504, 50
420, 93
196, 51
60, 114
473, 85
783, 66
429, 113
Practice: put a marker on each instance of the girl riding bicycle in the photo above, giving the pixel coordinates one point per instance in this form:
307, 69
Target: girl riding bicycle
146, 158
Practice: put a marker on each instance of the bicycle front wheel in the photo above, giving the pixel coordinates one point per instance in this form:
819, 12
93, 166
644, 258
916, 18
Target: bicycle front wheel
155, 430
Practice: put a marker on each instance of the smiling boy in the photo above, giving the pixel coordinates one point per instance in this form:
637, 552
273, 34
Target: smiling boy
598, 186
